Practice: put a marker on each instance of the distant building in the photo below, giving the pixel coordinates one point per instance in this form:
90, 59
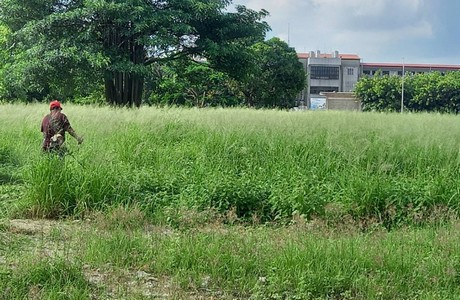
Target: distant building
397, 69
336, 72
333, 72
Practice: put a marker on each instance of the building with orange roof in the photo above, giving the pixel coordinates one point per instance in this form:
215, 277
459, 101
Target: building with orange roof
327, 72
336, 72
397, 68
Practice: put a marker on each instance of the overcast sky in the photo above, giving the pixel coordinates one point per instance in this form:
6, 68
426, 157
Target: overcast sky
413, 31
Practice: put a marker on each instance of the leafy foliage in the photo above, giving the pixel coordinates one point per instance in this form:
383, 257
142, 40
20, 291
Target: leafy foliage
422, 92
276, 75
50, 59
273, 78
191, 83
117, 40
4, 33
436, 92
379, 93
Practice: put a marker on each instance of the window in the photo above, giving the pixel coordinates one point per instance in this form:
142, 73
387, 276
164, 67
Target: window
367, 72
350, 71
324, 72
315, 90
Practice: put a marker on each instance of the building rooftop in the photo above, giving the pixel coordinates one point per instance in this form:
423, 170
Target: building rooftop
328, 55
411, 66
336, 54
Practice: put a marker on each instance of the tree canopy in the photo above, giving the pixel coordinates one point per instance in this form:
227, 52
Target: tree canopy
117, 40
431, 91
276, 75
272, 79
190, 83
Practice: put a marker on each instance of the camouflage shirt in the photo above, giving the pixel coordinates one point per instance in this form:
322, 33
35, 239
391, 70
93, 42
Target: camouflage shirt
53, 124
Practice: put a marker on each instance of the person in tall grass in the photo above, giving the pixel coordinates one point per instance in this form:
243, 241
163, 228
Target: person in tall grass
54, 126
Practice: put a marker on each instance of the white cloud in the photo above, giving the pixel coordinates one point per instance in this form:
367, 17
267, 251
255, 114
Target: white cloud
367, 7
377, 30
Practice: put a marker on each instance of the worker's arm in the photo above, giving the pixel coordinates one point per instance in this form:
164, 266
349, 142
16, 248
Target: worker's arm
74, 135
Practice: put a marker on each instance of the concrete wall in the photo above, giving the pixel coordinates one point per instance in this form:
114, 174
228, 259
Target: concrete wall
349, 80
342, 101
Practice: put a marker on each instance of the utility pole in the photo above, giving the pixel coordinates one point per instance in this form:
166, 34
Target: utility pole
402, 88
289, 34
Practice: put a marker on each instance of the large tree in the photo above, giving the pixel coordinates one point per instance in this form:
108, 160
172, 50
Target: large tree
119, 39
189, 83
276, 76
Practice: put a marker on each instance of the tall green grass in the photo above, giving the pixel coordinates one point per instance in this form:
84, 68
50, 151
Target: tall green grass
299, 262
45, 279
302, 261
263, 164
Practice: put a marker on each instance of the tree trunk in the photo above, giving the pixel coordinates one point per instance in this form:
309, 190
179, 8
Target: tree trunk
124, 88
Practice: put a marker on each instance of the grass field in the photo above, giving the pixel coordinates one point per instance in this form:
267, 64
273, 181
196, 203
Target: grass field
231, 204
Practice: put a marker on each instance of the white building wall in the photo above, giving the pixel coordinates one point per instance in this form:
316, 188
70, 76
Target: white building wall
350, 74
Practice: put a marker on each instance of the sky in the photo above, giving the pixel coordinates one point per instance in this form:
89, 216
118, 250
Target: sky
393, 31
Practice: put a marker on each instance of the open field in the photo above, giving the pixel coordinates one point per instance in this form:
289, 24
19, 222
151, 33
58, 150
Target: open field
105, 258
230, 204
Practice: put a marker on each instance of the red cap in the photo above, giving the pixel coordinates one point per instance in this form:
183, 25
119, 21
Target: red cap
55, 104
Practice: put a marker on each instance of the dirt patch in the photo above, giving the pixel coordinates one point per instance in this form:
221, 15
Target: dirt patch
34, 227
60, 238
